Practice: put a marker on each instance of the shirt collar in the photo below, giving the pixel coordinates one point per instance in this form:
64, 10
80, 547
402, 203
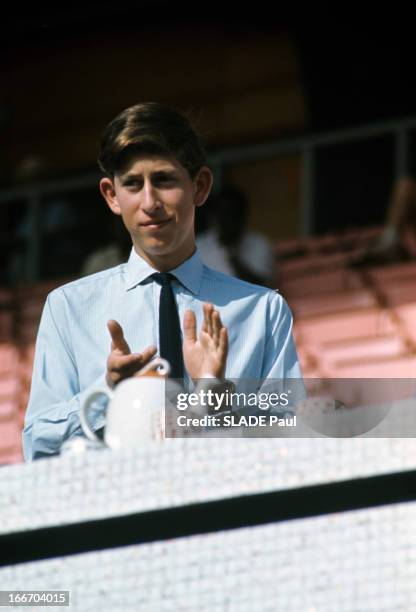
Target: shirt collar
188, 273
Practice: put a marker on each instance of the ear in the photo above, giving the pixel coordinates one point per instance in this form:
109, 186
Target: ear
109, 194
203, 184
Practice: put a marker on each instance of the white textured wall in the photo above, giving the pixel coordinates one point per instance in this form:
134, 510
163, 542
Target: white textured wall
358, 561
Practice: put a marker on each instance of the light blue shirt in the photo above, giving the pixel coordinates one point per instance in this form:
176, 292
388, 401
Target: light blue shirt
73, 342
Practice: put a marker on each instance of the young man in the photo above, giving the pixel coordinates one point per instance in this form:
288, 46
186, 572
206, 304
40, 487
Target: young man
155, 175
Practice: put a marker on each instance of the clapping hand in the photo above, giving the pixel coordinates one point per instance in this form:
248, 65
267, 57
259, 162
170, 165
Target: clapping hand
122, 363
206, 354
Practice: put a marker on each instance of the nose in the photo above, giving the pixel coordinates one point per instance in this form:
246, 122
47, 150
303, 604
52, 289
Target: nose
150, 198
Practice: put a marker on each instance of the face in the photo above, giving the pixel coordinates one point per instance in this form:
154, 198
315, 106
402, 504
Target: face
156, 198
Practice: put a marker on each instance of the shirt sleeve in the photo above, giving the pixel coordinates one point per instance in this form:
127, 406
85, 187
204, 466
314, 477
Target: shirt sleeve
52, 414
281, 369
280, 356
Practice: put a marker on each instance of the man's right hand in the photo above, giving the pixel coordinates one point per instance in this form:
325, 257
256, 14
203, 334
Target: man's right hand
122, 363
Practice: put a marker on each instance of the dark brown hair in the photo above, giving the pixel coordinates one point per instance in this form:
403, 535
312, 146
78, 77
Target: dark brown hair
150, 128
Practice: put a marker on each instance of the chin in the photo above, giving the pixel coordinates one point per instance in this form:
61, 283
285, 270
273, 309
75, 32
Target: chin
155, 246
159, 249
156, 250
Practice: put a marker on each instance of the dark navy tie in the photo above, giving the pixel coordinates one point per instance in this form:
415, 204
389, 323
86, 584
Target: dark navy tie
170, 339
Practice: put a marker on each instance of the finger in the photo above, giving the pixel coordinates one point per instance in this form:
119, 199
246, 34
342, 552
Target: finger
189, 326
126, 365
223, 350
204, 326
208, 318
117, 337
211, 320
145, 357
118, 371
117, 363
216, 326
147, 354
129, 372
223, 342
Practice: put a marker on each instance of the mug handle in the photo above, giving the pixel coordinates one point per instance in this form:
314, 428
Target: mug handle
158, 362
85, 407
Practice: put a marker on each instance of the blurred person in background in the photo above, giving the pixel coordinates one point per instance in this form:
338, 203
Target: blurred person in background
117, 251
400, 231
228, 246
397, 242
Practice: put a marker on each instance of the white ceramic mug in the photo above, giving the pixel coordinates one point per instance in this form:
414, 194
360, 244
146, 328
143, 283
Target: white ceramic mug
136, 409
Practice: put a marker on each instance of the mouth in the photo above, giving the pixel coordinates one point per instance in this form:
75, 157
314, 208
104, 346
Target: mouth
152, 225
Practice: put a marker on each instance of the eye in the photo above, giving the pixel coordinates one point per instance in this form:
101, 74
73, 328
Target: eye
132, 184
165, 180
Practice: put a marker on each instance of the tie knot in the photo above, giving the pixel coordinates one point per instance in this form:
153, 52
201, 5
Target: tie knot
163, 278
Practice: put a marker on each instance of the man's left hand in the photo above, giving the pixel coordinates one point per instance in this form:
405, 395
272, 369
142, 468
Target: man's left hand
206, 354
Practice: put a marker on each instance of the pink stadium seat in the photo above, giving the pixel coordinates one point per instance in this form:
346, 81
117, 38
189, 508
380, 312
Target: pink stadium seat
309, 264
7, 307
331, 354
27, 331
399, 292
358, 323
8, 408
310, 373
407, 316
402, 366
393, 273
12, 455
337, 301
308, 362
336, 242
9, 386
30, 290
9, 356
6, 325
322, 283
28, 354
26, 362
361, 235
31, 308
10, 435
324, 244
375, 381
284, 248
